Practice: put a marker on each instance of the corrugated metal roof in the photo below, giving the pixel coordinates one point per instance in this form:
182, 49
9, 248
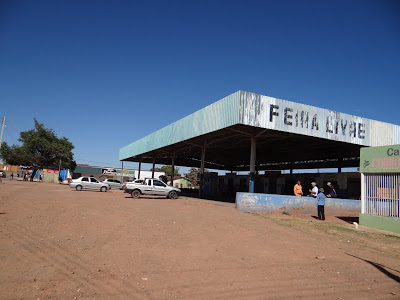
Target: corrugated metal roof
271, 113
221, 114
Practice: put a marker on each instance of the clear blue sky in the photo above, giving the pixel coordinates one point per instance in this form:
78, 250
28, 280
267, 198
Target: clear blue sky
106, 73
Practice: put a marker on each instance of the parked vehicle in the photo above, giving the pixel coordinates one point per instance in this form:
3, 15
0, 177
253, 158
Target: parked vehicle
135, 181
89, 183
151, 186
3, 174
113, 183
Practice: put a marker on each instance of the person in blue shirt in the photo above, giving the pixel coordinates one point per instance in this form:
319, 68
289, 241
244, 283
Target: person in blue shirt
321, 204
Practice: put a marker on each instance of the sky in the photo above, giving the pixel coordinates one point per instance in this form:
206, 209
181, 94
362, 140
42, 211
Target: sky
107, 73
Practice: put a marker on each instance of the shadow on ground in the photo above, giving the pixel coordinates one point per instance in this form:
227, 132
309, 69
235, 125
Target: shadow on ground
349, 220
381, 268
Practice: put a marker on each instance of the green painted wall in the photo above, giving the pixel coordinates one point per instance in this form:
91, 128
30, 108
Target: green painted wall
184, 183
379, 222
385, 159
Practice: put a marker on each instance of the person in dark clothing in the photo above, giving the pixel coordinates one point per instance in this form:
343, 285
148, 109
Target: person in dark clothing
332, 192
321, 204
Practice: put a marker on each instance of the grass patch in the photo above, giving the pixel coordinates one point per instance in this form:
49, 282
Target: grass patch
386, 244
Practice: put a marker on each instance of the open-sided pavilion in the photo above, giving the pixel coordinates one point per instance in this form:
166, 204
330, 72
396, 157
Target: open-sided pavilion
247, 131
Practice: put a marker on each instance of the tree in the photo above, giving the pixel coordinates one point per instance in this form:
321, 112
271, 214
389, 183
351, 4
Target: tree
167, 170
194, 176
40, 147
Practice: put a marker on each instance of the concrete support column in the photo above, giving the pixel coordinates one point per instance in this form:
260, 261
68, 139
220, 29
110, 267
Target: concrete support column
253, 150
154, 166
122, 172
340, 161
203, 158
140, 166
173, 170
363, 197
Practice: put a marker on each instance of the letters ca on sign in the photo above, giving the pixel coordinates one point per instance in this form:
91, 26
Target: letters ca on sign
304, 119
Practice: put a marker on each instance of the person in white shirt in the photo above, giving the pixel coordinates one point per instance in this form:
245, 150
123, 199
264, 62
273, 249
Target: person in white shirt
314, 190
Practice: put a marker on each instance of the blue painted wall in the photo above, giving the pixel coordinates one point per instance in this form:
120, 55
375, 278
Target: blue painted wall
247, 202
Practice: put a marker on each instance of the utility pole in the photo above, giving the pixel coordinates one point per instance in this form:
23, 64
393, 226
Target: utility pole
3, 124
122, 172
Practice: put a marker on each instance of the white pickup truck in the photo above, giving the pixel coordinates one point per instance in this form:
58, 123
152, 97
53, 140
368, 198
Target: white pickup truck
151, 186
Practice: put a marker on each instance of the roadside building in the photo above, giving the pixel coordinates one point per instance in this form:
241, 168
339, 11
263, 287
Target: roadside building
180, 183
380, 193
123, 175
9, 169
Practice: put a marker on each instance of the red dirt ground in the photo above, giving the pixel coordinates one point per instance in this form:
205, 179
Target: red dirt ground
57, 243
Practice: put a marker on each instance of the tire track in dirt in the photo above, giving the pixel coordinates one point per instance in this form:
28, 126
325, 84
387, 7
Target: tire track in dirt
65, 262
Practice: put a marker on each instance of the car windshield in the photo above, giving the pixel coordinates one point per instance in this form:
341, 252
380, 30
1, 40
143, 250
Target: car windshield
158, 183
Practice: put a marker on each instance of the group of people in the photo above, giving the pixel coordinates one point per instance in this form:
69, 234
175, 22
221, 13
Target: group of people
317, 193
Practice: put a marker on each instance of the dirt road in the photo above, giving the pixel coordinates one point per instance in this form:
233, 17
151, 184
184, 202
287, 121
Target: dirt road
57, 243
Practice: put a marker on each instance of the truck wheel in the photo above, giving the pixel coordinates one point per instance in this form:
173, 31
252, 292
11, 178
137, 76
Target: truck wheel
103, 189
78, 188
173, 195
135, 194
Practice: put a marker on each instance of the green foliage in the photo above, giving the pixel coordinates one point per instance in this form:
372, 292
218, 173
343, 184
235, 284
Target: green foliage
167, 170
39, 146
194, 176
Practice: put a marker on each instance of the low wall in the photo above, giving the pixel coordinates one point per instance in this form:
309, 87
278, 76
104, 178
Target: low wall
248, 202
384, 223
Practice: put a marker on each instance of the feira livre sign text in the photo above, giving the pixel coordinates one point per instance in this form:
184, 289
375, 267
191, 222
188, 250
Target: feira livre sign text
304, 119
283, 115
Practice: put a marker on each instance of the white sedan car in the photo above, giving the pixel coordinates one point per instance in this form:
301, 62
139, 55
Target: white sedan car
113, 183
89, 183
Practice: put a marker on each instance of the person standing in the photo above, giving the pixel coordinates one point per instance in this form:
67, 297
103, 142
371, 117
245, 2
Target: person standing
314, 190
12, 176
332, 191
321, 204
298, 190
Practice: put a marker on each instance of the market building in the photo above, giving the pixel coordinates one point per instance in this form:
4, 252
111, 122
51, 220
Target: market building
264, 136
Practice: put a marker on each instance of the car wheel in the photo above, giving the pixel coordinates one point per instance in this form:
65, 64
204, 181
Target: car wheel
173, 195
135, 194
78, 188
103, 189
